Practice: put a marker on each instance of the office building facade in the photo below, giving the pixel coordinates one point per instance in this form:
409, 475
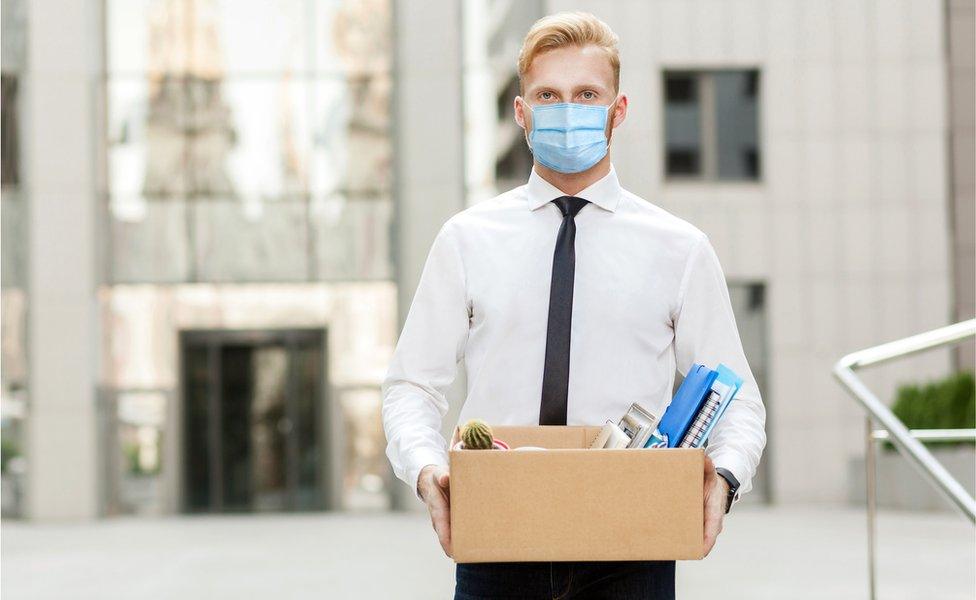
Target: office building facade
209, 243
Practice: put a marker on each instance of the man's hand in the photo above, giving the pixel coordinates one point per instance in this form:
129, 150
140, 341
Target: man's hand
434, 485
716, 493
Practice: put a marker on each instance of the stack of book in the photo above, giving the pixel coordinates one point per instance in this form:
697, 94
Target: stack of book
695, 409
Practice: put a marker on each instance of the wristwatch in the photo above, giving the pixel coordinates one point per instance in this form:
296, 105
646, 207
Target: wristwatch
733, 486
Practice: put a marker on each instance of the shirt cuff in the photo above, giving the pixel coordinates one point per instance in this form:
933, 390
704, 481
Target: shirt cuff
420, 458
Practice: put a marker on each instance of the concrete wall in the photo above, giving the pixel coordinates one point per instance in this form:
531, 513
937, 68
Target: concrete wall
961, 46
847, 227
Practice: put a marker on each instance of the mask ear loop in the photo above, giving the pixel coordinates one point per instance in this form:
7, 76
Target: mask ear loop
525, 130
610, 119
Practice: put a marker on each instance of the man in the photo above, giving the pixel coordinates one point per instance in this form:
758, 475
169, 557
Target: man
568, 299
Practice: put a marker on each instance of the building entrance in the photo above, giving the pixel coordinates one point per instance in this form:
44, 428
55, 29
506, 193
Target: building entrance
253, 407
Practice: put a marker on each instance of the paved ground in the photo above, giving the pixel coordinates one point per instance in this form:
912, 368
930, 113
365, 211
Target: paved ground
792, 553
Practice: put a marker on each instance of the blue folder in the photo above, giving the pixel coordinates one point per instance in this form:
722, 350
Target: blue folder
727, 377
686, 403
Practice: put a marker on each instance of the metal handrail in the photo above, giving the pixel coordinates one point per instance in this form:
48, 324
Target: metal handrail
930, 468
932, 435
907, 442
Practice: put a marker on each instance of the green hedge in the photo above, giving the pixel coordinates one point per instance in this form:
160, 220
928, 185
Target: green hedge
948, 403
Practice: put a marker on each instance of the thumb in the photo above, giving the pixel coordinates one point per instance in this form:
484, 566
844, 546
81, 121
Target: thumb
443, 478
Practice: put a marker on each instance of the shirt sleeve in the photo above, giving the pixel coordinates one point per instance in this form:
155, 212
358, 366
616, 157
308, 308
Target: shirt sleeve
425, 363
705, 332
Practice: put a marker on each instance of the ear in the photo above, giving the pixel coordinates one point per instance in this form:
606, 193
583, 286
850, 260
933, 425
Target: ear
619, 112
519, 112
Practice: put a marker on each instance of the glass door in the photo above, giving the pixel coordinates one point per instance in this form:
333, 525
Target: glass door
253, 408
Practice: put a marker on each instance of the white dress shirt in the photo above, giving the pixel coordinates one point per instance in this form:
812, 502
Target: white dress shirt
649, 297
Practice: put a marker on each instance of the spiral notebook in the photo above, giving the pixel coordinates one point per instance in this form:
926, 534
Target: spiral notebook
724, 389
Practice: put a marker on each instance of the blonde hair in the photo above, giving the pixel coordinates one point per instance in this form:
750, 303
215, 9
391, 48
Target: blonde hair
568, 29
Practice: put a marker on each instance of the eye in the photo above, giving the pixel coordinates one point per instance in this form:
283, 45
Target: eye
589, 95
545, 95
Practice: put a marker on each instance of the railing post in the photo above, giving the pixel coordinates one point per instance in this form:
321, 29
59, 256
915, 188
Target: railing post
870, 480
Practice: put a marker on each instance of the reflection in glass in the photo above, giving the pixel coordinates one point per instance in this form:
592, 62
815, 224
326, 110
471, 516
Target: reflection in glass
236, 139
269, 119
737, 137
238, 242
197, 458
352, 238
139, 419
14, 295
269, 423
13, 228
682, 115
354, 36
147, 241
9, 129
14, 408
248, 143
307, 364
366, 470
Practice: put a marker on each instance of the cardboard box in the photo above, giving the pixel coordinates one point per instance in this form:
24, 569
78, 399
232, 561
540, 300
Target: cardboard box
572, 503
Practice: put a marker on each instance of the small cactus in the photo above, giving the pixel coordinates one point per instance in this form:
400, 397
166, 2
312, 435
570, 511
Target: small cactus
477, 435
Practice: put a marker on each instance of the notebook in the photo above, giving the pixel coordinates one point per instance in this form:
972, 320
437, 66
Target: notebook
731, 383
686, 403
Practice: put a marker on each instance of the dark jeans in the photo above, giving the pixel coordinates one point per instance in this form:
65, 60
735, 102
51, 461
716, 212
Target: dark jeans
624, 580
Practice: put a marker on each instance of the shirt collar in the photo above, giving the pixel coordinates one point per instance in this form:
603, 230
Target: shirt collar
604, 192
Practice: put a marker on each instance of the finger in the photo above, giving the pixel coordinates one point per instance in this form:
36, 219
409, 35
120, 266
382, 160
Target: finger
711, 535
442, 525
709, 468
713, 524
709, 544
440, 516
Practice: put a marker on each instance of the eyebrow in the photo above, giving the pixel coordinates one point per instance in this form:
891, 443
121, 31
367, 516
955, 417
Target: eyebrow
584, 86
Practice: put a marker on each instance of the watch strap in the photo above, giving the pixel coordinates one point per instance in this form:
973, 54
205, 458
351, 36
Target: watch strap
733, 486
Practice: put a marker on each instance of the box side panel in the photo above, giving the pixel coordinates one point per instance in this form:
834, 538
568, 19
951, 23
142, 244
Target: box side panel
574, 504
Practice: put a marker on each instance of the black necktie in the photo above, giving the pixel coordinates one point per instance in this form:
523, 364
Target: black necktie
555, 378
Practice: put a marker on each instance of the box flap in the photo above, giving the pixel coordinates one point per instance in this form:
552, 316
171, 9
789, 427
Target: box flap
546, 436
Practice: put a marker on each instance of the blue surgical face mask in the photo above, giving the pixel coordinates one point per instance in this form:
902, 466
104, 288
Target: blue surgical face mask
569, 137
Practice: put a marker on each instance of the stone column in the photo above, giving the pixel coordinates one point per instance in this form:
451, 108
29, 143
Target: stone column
61, 144
428, 143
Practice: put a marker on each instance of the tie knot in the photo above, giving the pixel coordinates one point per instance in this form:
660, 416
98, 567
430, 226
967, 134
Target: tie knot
570, 205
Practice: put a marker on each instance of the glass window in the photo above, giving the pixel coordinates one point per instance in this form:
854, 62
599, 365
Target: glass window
683, 124
352, 238
236, 141
248, 187
147, 241
250, 241
711, 123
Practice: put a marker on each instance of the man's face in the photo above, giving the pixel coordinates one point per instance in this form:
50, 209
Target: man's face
570, 74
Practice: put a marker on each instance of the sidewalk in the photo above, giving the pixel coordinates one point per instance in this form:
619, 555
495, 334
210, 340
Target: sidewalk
764, 553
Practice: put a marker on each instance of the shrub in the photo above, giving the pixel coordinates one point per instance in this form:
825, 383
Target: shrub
948, 403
